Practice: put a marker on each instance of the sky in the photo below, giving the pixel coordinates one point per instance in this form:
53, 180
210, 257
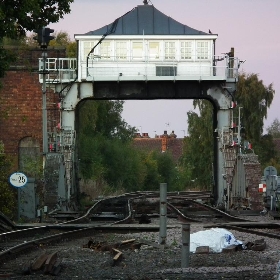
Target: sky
251, 27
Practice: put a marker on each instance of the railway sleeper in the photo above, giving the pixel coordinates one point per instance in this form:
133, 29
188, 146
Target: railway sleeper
46, 263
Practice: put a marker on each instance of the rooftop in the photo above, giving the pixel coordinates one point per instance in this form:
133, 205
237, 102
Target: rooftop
146, 20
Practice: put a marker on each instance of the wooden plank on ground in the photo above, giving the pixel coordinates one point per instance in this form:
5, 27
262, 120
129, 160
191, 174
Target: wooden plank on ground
127, 241
39, 262
118, 255
56, 268
50, 262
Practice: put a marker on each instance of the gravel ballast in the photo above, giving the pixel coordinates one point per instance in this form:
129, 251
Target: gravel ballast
150, 262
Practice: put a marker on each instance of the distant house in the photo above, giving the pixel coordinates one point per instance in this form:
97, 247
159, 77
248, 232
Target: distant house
161, 143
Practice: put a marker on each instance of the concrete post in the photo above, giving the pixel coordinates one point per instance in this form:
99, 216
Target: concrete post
185, 245
163, 212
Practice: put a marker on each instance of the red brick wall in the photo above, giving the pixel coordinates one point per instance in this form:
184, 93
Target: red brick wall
253, 178
21, 101
21, 109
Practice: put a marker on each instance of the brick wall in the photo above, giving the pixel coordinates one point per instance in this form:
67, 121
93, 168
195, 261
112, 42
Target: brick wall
253, 179
21, 113
21, 101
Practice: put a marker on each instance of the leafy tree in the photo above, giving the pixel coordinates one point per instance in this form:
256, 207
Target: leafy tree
152, 178
7, 194
255, 98
62, 39
104, 146
17, 17
198, 146
266, 150
274, 129
104, 117
166, 168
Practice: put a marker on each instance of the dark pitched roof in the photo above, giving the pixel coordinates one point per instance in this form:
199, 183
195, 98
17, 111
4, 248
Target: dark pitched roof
148, 20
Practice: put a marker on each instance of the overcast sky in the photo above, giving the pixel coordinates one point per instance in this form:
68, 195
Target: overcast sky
250, 26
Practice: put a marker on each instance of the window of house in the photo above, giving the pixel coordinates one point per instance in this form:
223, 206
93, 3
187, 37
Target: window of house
186, 50
87, 48
154, 50
105, 50
137, 50
121, 50
202, 50
169, 48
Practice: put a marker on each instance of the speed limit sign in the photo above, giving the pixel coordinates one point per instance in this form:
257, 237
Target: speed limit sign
18, 179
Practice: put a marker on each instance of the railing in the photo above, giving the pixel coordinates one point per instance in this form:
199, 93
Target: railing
58, 69
128, 68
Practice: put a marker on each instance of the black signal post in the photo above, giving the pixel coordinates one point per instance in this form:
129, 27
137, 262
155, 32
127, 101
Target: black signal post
43, 36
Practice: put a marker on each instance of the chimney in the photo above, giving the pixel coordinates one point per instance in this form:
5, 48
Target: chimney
172, 134
145, 135
163, 144
164, 141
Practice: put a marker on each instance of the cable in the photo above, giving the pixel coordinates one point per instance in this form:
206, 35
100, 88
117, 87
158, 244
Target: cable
111, 31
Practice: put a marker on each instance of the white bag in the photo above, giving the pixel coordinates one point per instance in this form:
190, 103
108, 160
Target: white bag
215, 238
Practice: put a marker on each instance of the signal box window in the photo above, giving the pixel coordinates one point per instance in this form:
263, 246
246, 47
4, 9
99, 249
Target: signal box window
105, 50
202, 50
169, 50
186, 50
87, 48
137, 50
154, 50
121, 50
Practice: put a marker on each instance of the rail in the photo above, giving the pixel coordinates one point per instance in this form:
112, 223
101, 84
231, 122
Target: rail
60, 70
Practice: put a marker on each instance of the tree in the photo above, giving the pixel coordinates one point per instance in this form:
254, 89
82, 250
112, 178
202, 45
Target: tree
255, 98
198, 146
274, 129
104, 117
7, 194
62, 39
18, 17
104, 146
266, 150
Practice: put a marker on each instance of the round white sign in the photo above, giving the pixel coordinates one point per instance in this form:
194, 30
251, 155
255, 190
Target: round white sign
18, 179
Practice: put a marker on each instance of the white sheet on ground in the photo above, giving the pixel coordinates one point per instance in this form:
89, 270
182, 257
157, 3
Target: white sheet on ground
215, 238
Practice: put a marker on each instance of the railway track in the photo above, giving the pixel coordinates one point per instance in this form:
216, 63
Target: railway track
122, 211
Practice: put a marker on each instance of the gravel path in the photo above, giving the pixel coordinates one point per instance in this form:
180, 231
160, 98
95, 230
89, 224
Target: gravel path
149, 262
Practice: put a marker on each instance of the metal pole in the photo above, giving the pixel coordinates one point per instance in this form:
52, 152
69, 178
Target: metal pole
239, 128
231, 63
44, 109
185, 245
163, 212
44, 115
